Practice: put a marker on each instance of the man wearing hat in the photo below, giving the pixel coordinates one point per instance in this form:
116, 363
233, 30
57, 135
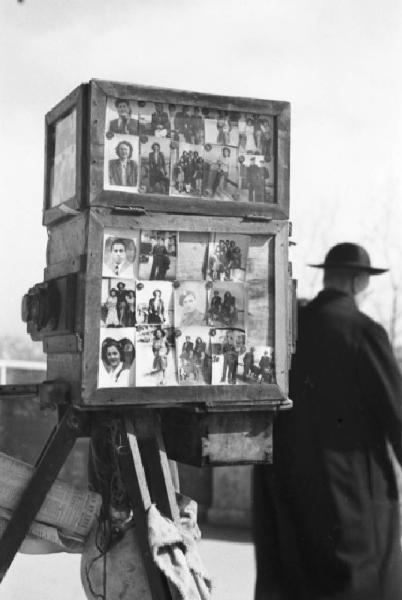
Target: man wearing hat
327, 511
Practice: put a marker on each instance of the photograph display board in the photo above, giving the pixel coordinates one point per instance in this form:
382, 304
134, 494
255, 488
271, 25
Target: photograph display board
188, 151
186, 308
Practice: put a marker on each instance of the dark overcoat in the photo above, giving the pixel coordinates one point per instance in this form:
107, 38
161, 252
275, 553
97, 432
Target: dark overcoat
326, 512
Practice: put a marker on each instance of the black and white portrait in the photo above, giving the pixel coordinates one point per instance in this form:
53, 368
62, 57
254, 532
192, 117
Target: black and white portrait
227, 257
256, 179
187, 171
154, 164
121, 163
221, 173
118, 303
227, 304
264, 131
120, 254
121, 117
256, 364
193, 352
190, 304
154, 303
117, 358
158, 255
226, 345
156, 363
154, 119
188, 125
222, 129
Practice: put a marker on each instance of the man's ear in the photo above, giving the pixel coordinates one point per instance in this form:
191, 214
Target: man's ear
361, 281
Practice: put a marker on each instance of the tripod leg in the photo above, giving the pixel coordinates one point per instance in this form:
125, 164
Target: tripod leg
46, 470
134, 477
156, 464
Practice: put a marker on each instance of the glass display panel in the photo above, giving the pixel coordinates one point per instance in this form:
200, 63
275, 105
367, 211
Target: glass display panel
188, 151
63, 159
165, 323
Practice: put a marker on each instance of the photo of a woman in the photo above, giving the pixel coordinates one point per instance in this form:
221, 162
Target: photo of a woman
123, 171
116, 296
154, 304
160, 349
228, 310
156, 356
121, 303
156, 308
112, 318
158, 179
250, 145
130, 311
194, 360
227, 304
114, 366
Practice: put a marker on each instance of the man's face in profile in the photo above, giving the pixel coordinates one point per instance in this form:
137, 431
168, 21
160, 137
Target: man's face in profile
118, 254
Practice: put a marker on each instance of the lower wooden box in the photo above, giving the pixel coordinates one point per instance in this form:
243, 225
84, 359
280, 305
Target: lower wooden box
218, 438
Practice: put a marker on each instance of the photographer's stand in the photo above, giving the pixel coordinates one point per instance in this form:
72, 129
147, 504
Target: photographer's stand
142, 460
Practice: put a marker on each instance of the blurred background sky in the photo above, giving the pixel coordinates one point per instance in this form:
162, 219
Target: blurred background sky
337, 62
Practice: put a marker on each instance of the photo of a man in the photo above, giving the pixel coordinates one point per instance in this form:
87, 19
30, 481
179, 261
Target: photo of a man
119, 257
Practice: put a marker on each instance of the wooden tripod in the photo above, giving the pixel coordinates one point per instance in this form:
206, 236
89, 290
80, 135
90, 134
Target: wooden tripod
143, 464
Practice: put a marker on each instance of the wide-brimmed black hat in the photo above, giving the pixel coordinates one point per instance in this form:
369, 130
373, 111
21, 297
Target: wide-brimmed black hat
349, 256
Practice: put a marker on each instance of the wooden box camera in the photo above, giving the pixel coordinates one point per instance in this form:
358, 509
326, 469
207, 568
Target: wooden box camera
167, 281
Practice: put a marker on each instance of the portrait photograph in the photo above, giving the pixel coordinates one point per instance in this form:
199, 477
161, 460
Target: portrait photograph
121, 117
154, 165
156, 363
187, 173
63, 167
121, 164
248, 125
117, 358
256, 179
154, 303
154, 119
260, 314
221, 173
188, 125
192, 255
158, 255
190, 304
260, 257
118, 303
226, 345
256, 364
264, 128
227, 257
227, 304
193, 352
222, 130
120, 254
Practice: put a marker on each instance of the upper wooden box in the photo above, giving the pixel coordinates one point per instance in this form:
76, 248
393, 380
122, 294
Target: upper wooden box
114, 144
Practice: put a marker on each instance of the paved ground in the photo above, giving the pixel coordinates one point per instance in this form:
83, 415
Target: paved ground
228, 555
